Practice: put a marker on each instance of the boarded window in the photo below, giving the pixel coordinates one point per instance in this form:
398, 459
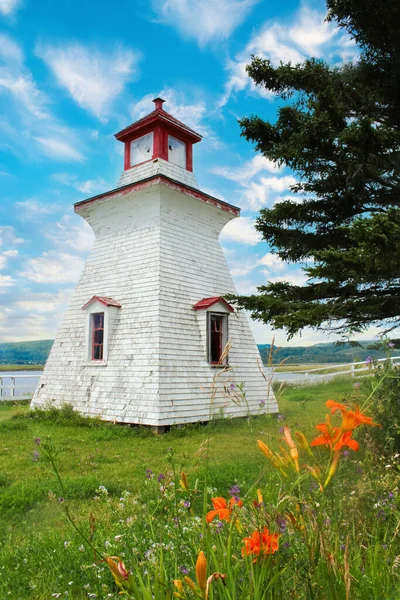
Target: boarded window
97, 336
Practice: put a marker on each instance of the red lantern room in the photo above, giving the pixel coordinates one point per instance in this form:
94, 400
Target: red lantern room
158, 135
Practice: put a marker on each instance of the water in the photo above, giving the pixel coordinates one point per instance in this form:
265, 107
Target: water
25, 383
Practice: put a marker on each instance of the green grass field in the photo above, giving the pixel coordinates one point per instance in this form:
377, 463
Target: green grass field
42, 555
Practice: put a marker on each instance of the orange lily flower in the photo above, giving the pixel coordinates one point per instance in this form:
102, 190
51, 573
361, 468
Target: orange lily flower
334, 437
222, 509
261, 543
351, 418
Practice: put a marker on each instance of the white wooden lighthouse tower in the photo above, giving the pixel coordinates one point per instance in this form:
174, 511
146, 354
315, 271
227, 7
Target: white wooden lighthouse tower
144, 336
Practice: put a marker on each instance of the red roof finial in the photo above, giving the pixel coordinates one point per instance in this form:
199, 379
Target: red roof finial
158, 102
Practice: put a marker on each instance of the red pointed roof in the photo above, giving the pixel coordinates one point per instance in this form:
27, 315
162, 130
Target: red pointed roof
160, 115
104, 300
207, 302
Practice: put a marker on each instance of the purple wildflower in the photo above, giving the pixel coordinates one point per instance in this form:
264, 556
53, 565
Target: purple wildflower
35, 455
369, 360
232, 386
262, 403
37, 441
234, 491
183, 570
346, 453
391, 344
280, 418
161, 477
186, 504
149, 474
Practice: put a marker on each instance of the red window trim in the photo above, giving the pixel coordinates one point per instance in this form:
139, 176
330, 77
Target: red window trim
94, 329
223, 334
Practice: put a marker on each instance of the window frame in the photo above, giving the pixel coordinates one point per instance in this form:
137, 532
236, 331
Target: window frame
93, 330
224, 337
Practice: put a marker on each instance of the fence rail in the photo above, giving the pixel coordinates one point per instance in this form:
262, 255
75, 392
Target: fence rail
355, 369
12, 389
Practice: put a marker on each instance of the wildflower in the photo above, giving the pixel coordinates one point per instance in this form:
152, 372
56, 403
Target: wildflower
391, 345
351, 418
235, 491
357, 385
369, 360
294, 453
184, 482
261, 543
303, 442
161, 477
37, 441
264, 449
332, 468
35, 456
334, 437
183, 570
149, 474
222, 509
201, 571
122, 576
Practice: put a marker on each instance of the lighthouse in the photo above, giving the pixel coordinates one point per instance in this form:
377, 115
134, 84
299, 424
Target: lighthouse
148, 337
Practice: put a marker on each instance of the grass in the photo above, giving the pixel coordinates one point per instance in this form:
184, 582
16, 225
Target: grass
41, 554
21, 367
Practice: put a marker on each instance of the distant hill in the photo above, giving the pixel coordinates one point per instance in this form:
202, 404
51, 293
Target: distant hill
323, 353
25, 353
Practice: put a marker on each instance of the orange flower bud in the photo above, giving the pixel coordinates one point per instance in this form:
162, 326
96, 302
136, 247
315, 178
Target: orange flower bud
264, 449
190, 583
184, 482
201, 571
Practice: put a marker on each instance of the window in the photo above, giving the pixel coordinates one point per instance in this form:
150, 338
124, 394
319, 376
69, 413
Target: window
142, 149
176, 152
217, 338
97, 336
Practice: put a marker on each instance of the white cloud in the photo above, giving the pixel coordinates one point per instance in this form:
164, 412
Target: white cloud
9, 50
241, 230
257, 194
29, 112
8, 7
6, 281
203, 20
71, 232
60, 149
93, 78
44, 302
248, 170
272, 262
308, 34
53, 267
33, 210
8, 237
89, 186
4, 256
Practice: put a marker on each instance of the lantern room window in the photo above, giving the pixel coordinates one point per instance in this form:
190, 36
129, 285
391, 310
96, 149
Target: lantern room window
176, 152
97, 336
217, 338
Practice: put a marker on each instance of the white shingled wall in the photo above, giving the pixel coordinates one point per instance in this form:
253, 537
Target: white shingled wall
157, 253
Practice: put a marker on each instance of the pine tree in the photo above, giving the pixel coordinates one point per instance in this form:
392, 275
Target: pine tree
338, 130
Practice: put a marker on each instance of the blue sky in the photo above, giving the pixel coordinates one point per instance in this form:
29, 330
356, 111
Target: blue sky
74, 73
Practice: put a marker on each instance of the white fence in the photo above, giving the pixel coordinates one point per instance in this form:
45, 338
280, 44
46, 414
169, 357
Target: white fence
17, 386
356, 369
